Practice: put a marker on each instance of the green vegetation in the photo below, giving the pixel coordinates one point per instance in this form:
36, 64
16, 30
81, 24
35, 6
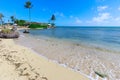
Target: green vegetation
13, 19
21, 22
8, 33
37, 26
100, 74
33, 25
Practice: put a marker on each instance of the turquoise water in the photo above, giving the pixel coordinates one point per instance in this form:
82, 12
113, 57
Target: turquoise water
100, 37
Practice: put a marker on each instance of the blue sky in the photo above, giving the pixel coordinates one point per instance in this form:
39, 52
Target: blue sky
67, 12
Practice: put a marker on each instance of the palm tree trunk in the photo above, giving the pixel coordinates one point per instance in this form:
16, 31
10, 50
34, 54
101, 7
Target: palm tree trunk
29, 16
29, 19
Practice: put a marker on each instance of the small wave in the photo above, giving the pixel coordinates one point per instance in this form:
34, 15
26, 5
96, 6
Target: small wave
22, 36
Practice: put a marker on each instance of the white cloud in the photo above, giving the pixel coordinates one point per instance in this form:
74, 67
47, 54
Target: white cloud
75, 20
46, 10
117, 19
59, 14
78, 21
102, 17
119, 8
102, 8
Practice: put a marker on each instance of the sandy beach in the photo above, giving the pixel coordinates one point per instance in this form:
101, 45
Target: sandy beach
20, 63
42, 40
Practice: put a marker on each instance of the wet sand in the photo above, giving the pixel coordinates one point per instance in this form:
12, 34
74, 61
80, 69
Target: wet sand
83, 59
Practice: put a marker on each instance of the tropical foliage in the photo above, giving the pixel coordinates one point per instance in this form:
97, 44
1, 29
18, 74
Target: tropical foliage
21, 22
53, 18
13, 19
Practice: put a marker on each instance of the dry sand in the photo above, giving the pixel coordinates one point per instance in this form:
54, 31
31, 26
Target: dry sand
20, 63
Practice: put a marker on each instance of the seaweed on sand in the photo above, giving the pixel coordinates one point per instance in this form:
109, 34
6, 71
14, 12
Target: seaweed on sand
100, 74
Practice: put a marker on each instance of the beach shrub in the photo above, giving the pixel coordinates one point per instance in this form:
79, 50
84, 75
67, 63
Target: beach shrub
6, 31
36, 26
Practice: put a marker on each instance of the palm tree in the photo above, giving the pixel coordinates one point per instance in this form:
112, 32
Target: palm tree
1, 17
53, 18
28, 5
13, 19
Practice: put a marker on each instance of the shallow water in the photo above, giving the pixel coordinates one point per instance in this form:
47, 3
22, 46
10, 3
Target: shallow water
107, 38
85, 54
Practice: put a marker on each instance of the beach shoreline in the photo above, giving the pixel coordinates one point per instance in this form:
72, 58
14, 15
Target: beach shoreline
24, 64
82, 59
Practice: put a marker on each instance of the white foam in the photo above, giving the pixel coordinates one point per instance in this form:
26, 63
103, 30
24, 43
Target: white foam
22, 36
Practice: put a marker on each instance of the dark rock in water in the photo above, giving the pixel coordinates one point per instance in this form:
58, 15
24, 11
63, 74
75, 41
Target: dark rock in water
26, 31
9, 35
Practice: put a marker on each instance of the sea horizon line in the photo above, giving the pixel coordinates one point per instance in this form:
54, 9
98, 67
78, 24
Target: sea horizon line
88, 26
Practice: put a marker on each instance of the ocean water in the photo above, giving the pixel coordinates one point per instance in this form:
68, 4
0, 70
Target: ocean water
84, 49
99, 37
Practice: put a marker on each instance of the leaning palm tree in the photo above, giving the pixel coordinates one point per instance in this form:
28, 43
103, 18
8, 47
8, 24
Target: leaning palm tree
28, 5
53, 18
1, 17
